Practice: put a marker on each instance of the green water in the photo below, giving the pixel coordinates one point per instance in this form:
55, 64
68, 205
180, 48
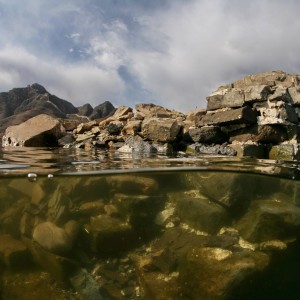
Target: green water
97, 225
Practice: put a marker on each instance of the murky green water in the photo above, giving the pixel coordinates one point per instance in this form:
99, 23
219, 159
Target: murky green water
97, 225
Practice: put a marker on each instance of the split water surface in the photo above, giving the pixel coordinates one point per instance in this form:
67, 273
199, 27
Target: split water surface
76, 224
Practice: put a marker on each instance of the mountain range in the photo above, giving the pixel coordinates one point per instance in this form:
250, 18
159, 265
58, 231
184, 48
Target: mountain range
21, 104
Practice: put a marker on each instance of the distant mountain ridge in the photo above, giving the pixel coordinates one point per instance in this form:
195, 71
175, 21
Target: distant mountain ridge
21, 104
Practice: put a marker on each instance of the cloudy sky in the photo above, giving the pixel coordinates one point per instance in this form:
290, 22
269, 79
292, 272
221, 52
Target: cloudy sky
169, 52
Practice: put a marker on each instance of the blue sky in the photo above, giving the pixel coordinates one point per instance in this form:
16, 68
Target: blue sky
169, 52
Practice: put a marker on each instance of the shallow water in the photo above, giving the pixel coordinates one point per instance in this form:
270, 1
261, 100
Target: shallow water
128, 227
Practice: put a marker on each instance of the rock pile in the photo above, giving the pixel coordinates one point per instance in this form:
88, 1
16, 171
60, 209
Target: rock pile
257, 116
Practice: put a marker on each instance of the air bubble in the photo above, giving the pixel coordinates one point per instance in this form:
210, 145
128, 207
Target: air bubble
50, 176
32, 177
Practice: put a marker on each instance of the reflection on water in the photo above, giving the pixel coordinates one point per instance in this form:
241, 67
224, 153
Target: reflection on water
18, 160
97, 225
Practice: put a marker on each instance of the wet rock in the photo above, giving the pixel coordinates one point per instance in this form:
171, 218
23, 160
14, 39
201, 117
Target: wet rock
250, 150
223, 149
61, 268
216, 273
87, 286
92, 208
40, 131
13, 253
199, 212
33, 285
244, 115
160, 129
135, 144
10, 218
284, 152
133, 184
68, 139
58, 206
110, 235
52, 238
227, 189
269, 220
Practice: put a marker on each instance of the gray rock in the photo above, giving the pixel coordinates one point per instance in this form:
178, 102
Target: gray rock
295, 95
222, 98
135, 144
256, 93
212, 149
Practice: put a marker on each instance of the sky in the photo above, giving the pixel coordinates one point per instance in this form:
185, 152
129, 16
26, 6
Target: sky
172, 53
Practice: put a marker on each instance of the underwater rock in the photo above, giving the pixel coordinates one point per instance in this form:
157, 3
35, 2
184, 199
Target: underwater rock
216, 273
269, 220
109, 235
13, 253
199, 212
52, 238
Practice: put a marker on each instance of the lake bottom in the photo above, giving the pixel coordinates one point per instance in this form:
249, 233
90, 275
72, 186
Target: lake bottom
149, 234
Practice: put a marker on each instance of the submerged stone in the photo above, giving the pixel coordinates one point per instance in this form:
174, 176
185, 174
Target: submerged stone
269, 220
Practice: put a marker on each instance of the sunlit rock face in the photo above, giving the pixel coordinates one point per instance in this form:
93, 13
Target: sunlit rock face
40, 131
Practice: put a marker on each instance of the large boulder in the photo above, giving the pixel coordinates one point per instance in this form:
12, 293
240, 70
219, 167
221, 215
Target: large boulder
40, 131
160, 129
20, 104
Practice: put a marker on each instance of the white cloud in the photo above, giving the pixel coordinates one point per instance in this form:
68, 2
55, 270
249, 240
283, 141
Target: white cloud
78, 83
178, 53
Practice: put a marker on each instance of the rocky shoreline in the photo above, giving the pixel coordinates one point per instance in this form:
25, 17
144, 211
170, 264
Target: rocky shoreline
257, 116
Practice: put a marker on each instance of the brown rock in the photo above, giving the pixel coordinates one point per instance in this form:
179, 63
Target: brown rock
207, 134
39, 131
13, 253
160, 129
260, 134
244, 115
